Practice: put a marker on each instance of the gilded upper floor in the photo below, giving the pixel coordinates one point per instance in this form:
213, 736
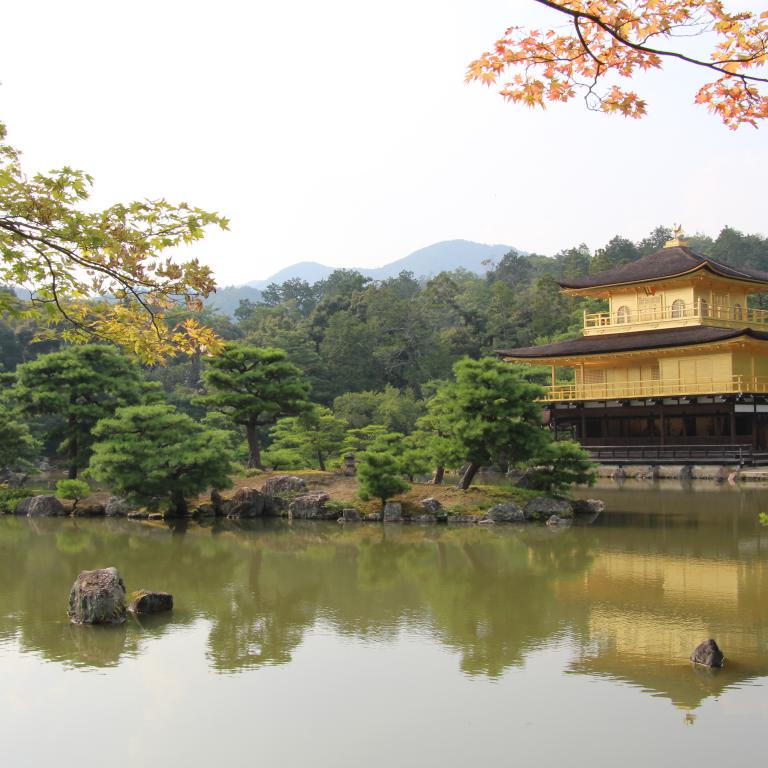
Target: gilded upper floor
673, 287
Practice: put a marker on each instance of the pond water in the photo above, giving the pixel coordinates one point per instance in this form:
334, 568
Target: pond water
317, 644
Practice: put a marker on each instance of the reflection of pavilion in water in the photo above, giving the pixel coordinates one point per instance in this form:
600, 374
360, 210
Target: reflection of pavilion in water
648, 610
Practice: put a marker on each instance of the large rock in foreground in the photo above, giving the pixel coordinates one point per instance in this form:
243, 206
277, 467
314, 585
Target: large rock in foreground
545, 506
708, 654
150, 602
311, 506
97, 597
40, 506
247, 502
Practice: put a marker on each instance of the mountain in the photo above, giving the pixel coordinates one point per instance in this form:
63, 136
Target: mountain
227, 300
439, 257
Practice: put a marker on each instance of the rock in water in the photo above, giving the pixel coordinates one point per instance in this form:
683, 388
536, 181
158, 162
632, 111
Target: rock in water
40, 506
97, 597
708, 654
150, 602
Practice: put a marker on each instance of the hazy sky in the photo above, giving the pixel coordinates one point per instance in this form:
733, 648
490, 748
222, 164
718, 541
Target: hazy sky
342, 132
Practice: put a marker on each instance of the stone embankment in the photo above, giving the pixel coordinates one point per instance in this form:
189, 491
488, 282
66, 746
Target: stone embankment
289, 496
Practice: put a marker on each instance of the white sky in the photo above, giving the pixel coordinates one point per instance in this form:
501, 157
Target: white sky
342, 132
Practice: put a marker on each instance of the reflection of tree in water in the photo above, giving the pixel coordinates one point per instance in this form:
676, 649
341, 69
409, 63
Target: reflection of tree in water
492, 595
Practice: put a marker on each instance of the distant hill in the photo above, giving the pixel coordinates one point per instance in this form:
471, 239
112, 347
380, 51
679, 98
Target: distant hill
227, 300
439, 257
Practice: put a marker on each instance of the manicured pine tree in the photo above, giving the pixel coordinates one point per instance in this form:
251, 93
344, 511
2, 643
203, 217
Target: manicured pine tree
255, 386
150, 452
561, 464
379, 476
489, 412
76, 387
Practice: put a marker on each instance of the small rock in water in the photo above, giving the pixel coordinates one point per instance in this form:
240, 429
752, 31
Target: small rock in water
150, 602
708, 654
350, 515
554, 521
97, 597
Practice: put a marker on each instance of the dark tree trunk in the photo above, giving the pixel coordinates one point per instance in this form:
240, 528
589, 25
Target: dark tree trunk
468, 476
321, 461
178, 504
437, 478
254, 449
72, 473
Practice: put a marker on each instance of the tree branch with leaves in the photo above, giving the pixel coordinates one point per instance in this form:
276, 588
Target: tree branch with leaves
100, 275
602, 40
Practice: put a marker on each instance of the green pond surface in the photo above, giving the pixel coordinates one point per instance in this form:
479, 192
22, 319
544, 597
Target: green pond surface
318, 644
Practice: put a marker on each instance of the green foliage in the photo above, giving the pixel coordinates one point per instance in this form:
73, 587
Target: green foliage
255, 387
488, 414
394, 409
559, 465
378, 475
308, 440
10, 497
763, 518
360, 439
72, 490
68, 253
77, 387
153, 452
18, 448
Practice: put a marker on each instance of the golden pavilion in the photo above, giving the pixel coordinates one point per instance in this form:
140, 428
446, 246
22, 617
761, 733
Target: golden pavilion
676, 368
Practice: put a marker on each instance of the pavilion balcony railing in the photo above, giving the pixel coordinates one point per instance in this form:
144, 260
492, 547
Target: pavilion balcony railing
701, 310
624, 390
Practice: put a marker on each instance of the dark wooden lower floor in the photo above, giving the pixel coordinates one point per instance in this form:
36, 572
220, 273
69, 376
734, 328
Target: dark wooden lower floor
702, 430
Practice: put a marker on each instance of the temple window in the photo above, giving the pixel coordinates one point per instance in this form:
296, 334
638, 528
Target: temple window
737, 313
678, 308
622, 315
703, 308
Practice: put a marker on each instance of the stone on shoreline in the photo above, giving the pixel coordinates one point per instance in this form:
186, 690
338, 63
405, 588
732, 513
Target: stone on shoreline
311, 506
40, 506
350, 515
117, 507
282, 484
546, 506
708, 654
508, 512
150, 602
554, 521
588, 506
393, 512
246, 502
88, 510
97, 597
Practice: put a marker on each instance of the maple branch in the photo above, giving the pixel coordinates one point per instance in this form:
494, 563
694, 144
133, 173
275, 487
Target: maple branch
614, 33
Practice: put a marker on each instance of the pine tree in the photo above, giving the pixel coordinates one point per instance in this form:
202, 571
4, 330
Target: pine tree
256, 386
379, 476
75, 388
151, 452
